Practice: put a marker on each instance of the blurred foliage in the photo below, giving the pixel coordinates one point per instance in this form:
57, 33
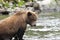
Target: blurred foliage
19, 3
0, 1
6, 4
27, 0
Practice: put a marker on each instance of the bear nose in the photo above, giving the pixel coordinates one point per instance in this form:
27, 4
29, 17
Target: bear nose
34, 25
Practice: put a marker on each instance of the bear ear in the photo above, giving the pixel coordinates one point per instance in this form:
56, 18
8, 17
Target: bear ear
29, 13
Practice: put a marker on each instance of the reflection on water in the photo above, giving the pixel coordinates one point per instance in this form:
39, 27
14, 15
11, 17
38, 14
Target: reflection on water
48, 28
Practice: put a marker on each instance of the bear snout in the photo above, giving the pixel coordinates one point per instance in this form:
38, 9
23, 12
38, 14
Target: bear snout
34, 24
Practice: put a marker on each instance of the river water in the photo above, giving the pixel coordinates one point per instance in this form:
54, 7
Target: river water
48, 28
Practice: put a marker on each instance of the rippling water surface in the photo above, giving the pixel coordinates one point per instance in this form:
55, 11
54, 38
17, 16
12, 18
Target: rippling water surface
48, 28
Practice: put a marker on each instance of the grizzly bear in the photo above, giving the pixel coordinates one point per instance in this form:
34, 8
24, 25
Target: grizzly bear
16, 24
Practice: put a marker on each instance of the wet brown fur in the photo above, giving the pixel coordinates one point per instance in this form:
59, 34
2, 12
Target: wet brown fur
9, 26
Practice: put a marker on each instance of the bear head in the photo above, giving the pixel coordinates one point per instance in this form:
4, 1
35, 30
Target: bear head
32, 18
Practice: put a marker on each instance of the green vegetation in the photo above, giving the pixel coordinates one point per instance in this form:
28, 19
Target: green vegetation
6, 4
18, 3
